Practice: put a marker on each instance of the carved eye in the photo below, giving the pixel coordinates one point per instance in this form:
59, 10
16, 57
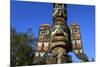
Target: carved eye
77, 26
63, 28
54, 28
43, 32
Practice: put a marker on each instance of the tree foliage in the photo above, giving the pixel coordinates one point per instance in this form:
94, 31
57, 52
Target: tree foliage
21, 47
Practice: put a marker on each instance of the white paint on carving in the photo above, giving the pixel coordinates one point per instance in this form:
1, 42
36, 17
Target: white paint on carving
42, 54
76, 51
81, 51
39, 44
78, 42
73, 42
37, 54
46, 43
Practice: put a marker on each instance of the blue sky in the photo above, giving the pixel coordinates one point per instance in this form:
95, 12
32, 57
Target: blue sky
26, 15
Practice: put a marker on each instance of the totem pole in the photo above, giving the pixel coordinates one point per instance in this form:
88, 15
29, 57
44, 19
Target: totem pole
56, 42
43, 44
59, 35
77, 47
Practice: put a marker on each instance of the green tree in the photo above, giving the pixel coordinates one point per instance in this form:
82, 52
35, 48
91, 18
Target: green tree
21, 51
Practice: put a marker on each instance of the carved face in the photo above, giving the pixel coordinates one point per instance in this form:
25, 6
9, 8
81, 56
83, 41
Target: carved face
44, 30
59, 10
59, 29
44, 34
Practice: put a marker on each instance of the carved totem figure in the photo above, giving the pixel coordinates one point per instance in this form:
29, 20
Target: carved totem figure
43, 44
59, 34
77, 47
54, 44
